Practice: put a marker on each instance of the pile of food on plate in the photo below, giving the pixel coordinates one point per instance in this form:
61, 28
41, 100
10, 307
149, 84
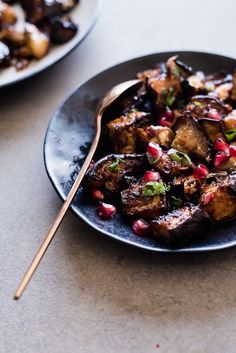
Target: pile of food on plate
46, 22
172, 171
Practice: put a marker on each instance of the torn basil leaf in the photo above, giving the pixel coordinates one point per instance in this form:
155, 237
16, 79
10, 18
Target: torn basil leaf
179, 157
154, 188
176, 202
114, 166
230, 135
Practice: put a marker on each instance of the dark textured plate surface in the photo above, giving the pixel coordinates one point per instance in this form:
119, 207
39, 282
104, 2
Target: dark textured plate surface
70, 132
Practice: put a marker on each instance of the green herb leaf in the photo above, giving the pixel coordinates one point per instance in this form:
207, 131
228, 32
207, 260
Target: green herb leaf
170, 99
154, 188
180, 157
230, 134
176, 72
198, 104
133, 110
114, 166
176, 202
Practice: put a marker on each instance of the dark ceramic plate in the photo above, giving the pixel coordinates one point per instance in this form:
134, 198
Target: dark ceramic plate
70, 132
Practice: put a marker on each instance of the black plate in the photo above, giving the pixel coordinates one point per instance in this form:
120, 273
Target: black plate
70, 132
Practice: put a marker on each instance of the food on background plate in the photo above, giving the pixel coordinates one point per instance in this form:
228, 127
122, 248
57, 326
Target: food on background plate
171, 171
45, 23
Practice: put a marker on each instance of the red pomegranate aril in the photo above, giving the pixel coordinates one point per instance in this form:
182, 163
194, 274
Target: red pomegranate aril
154, 149
213, 114
91, 164
106, 210
200, 172
221, 146
232, 151
140, 227
97, 195
207, 198
165, 122
220, 158
166, 119
151, 176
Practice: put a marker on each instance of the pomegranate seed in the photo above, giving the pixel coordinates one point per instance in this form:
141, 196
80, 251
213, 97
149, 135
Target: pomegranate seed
151, 176
213, 114
207, 198
165, 122
140, 227
150, 131
154, 149
232, 151
200, 172
166, 119
220, 158
221, 146
91, 165
97, 195
105, 210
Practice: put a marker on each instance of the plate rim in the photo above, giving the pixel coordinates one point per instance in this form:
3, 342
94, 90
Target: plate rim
87, 30
75, 210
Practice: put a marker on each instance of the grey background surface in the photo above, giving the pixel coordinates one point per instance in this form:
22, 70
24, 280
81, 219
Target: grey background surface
91, 294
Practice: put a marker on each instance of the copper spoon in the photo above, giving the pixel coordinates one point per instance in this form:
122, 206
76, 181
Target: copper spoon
107, 100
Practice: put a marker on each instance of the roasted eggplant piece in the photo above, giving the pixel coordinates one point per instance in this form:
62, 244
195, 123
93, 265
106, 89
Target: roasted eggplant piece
168, 166
123, 131
109, 172
229, 165
165, 81
190, 139
186, 187
36, 41
161, 135
233, 93
218, 197
204, 107
7, 15
136, 202
180, 225
212, 128
39, 10
229, 122
62, 30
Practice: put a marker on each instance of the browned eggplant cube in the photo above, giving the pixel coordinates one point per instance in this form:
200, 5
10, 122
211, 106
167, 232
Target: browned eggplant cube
218, 196
190, 139
180, 225
136, 201
109, 172
123, 131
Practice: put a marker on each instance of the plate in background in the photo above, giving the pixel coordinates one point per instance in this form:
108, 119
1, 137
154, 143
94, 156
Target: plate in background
84, 15
71, 130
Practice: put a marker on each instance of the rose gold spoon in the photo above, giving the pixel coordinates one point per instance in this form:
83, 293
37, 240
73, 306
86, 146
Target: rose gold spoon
107, 100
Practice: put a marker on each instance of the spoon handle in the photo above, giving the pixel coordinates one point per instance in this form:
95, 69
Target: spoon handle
43, 248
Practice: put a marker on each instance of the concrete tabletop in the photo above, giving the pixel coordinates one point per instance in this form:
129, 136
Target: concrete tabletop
91, 294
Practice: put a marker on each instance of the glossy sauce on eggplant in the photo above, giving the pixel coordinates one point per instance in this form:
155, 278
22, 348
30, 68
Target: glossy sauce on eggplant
172, 164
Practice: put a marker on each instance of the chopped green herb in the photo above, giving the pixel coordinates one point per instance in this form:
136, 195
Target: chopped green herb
230, 134
176, 72
176, 202
114, 166
170, 98
198, 104
133, 110
180, 157
154, 188
164, 92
